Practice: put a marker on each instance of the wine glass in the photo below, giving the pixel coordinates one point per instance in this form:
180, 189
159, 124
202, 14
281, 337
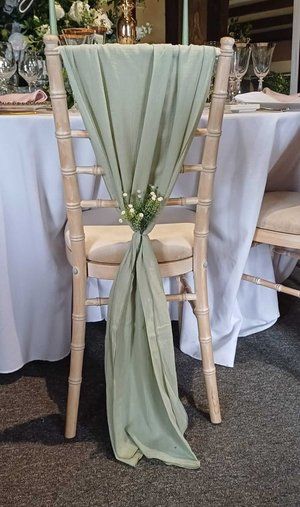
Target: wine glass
8, 65
42, 77
262, 53
30, 68
240, 63
232, 82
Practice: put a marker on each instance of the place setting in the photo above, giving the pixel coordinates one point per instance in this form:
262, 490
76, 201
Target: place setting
258, 56
23, 73
29, 67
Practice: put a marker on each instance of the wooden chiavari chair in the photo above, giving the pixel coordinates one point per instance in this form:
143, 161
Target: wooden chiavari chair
279, 226
100, 264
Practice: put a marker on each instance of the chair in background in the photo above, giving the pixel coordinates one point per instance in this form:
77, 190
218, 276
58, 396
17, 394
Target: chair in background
279, 226
97, 251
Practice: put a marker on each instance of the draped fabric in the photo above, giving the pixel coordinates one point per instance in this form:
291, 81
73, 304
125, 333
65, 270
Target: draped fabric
141, 105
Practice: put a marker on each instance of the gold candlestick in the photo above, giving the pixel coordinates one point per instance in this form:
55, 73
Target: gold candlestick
126, 25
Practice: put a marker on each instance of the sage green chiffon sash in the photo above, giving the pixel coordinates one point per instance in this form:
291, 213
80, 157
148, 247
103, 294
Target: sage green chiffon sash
141, 105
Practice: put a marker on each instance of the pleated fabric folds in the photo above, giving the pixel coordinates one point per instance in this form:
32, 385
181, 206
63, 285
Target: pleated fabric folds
141, 105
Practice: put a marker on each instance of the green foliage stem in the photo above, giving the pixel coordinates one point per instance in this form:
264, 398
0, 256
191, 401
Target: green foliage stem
278, 82
140, 210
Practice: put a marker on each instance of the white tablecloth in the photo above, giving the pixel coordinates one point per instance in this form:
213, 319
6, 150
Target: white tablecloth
35, 278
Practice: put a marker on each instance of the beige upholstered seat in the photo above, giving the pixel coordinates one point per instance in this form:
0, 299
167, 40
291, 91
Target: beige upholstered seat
280, 212
171, 242
108, 245
279, 227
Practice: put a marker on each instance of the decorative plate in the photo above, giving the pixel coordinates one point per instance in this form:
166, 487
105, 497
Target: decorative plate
25, 108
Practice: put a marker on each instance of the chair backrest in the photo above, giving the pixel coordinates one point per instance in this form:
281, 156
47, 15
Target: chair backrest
70, 170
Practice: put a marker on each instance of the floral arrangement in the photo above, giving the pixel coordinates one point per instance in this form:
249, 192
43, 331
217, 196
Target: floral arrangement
27, 25
239, 31
278, 82
140, 210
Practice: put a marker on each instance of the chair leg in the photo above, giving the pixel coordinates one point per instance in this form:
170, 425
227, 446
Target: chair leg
77, 353
180, 290
205, 339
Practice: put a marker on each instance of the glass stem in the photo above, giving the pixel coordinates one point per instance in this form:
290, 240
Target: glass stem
231, 89
3, 86
238, 85
15, 82
260, 84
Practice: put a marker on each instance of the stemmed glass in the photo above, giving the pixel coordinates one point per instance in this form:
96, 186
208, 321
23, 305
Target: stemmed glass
43, 77
8, 65
262, 53
240, 64
30, 68
232, 82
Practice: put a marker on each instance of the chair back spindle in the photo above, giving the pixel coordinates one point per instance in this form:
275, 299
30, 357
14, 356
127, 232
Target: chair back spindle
66, 154
209, 161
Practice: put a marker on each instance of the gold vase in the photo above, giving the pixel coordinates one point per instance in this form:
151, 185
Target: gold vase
126, 25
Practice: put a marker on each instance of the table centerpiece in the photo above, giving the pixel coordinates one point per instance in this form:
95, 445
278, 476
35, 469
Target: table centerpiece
25, 22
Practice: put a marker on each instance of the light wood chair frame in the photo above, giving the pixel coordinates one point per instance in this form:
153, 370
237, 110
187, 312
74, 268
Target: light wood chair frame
74, 205
282, 243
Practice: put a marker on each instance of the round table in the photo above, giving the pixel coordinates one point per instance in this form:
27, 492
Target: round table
257, 150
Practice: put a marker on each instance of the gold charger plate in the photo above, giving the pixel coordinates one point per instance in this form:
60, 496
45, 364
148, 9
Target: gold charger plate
25, 108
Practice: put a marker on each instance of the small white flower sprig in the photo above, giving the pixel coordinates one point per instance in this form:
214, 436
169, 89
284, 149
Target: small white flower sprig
141, 208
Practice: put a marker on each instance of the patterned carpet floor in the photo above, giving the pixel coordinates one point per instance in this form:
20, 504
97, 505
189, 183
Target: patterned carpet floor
251, 459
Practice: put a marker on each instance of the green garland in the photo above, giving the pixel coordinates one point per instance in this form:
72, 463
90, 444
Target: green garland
278, 82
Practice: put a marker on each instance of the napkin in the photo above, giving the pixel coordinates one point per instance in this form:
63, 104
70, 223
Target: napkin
281, 97
37, 97
267, 95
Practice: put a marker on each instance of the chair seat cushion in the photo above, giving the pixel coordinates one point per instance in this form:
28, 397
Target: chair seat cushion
280, 212
108, 244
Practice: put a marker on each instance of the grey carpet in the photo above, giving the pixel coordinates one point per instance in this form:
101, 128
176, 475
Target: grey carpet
251, 459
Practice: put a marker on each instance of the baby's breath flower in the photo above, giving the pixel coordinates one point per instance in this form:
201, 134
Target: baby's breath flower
140, 209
